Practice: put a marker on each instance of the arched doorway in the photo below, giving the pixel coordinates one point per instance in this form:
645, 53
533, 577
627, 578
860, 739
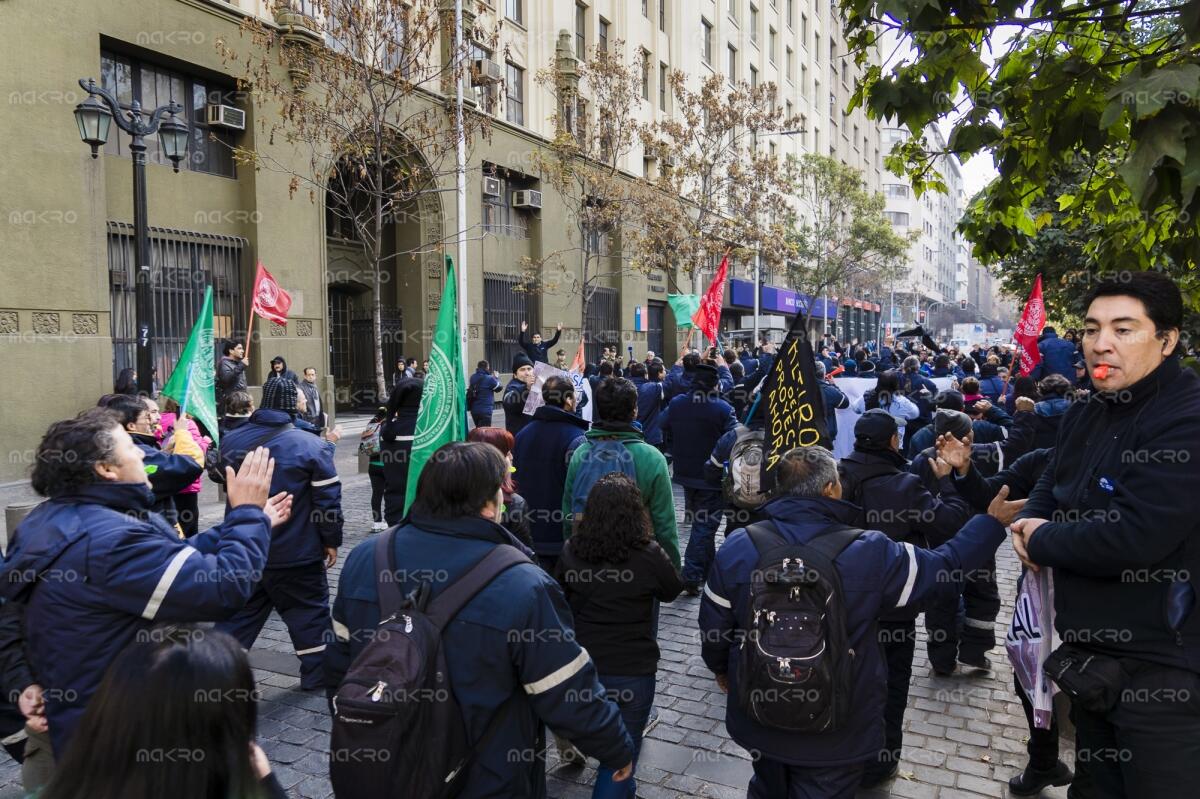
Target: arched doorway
410, 271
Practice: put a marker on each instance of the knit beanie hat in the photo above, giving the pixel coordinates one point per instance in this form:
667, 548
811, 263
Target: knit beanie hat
279, 394
519, 360
956, 423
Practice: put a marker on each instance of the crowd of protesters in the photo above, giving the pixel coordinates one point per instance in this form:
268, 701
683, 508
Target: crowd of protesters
514, 607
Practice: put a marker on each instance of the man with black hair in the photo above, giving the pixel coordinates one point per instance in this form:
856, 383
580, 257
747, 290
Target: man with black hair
169, 472
614, 408
231, 370
535, 348
1114, 515
1058, 355
693, 423
875, 477
98, 523
293, 581
540, 459
481, 394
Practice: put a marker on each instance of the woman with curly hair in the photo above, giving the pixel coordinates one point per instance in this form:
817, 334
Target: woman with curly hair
515, 516
613, 573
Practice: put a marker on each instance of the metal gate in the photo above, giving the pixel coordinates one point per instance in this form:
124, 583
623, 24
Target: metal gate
603, 322
655, 319
182, 264
505, 306
363, 392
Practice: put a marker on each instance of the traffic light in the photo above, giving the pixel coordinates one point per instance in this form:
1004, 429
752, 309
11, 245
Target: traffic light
962, 304
921, 317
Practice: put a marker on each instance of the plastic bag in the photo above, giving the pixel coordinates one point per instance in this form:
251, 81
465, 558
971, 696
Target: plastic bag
1031, 639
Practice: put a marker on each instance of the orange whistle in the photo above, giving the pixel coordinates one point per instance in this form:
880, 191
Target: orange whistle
1100, 372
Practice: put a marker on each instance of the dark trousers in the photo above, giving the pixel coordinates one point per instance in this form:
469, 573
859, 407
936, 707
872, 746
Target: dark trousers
1043, 744
188, 508
481, 419
1148, 745
634, 696
775, 780
378, 485
703, 510
899, 640
976, 633
301, 595
395, 457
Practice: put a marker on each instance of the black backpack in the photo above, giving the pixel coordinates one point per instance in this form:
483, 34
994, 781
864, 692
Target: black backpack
794, 661
397, 728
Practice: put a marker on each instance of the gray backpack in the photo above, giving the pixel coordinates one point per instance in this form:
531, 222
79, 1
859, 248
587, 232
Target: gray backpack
743, 472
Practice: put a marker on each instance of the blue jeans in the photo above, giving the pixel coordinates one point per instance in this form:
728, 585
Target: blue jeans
703, 510
634, 697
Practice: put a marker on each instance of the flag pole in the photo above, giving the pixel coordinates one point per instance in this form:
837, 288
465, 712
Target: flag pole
460, 181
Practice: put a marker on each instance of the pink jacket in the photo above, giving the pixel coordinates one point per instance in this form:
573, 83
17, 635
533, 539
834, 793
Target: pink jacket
167, 422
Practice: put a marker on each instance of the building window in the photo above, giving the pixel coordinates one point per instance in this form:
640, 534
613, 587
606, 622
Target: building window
788, 61
772, 45
732, 64
182, 265
662, 86
210, 149
514, 95
804, 130
788, 110
485, 93
804, 29
645, 75
512, 10
500, 218
753, 23
732, 8
803, 78
580, 32
753, 77
706, 40
662, 15
602, 35
505, 303
791, 13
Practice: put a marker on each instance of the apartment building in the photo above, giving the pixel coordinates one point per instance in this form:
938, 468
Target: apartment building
67, 278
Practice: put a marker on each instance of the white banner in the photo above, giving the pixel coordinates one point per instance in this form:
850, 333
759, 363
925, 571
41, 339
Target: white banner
854, 388
583, 389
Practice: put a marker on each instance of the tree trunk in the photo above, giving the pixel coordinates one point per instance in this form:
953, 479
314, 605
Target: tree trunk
377, 302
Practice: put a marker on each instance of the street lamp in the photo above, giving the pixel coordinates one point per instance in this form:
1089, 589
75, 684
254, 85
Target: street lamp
94, 119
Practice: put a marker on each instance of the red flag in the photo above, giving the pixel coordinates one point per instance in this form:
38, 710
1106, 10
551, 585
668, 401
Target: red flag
708, 315
270, 301
1033, 319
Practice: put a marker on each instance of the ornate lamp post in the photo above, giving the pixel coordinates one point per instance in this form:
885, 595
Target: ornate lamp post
95, 118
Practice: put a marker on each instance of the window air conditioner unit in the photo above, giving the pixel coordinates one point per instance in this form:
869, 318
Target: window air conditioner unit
527, 199
491, 187
485, 71
225, 116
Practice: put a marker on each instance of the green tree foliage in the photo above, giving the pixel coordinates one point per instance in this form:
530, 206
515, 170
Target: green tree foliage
841, 235
1039, 86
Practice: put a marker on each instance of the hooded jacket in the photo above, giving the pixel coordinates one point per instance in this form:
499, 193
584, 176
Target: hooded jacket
98, 567
304, 468
1058, 357
878, 575
679, 381
1123, 535
652, 404
510, 649
653, 480
541, 456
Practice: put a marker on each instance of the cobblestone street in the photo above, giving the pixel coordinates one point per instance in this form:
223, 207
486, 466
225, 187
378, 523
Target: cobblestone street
964, 736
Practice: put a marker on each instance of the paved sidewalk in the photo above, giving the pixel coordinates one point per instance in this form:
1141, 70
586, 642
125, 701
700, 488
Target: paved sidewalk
964, 735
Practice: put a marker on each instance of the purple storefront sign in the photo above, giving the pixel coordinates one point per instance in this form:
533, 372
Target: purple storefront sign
776, 300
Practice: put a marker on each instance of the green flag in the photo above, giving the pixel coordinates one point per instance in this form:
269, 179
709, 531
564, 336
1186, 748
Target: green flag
684, 307
442, 417
191, 384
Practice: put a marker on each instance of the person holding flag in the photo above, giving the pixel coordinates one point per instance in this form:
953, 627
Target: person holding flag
442, 416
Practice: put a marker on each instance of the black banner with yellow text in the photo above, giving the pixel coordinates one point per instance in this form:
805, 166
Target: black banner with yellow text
795, 410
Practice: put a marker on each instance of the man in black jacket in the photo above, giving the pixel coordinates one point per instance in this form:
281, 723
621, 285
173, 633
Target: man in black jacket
231, 371
537, 350
1114, 514
897, 503
516, 393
